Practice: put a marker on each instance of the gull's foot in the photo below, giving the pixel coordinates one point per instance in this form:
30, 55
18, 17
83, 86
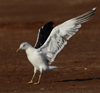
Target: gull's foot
37, 83
30, 82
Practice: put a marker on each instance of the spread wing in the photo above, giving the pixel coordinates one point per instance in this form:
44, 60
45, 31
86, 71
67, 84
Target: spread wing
43, 34
57, 39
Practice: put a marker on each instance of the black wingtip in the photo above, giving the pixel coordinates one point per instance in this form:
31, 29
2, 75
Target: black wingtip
44, 33
49, 23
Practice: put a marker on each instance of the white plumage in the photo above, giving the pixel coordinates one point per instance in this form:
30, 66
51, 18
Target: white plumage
49, 44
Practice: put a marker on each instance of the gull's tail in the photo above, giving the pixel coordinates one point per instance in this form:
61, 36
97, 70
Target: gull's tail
54, 67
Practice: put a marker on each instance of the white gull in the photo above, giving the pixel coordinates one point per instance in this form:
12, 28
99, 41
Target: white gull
51, 41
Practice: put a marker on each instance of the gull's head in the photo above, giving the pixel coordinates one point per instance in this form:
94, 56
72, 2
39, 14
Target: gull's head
23, 46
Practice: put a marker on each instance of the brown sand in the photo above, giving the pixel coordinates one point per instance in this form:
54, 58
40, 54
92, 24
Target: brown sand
20, 21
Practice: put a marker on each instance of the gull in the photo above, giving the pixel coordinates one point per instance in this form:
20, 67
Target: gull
50, 41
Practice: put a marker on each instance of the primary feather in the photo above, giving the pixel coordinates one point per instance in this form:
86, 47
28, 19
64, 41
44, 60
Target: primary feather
43, 34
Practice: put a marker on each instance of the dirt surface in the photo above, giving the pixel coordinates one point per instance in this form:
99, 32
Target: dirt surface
20, 21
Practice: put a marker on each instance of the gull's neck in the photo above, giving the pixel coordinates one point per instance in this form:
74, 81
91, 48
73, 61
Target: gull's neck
30, 50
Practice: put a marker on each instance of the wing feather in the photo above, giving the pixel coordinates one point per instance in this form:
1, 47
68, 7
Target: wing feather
57, 39
43, 34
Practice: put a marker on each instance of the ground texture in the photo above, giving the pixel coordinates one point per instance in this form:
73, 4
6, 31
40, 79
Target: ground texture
20, 21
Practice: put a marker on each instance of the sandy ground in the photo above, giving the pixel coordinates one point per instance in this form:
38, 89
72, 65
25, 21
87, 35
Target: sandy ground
20, 21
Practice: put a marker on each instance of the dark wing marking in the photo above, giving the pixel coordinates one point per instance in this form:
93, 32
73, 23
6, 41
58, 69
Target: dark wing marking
43, 34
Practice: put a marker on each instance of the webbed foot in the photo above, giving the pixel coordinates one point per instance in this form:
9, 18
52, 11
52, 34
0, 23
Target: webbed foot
37, 83
30, 82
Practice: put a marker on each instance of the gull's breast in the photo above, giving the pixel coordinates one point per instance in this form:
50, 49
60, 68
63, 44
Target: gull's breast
36, 59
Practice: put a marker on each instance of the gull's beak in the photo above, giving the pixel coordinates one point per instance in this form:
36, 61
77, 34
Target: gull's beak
17, 49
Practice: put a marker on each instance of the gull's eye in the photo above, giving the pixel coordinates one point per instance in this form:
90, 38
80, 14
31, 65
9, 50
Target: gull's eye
23, 45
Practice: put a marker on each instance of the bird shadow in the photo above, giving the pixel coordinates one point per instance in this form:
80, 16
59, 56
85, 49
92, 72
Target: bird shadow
78, 80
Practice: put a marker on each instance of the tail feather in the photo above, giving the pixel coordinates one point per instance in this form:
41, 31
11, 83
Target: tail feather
54, 67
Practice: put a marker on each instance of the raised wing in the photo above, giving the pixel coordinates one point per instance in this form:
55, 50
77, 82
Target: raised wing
57, 39
43, 34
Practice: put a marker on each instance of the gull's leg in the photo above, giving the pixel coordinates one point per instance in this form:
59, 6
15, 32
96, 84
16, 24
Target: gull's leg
32, 79
39, 76
33, 76
38, 80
